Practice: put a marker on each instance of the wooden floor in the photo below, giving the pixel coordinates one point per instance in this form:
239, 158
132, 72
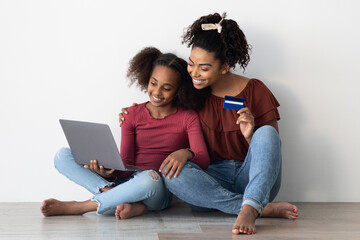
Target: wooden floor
316, 221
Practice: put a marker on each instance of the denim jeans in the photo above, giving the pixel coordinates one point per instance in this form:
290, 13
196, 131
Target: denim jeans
227, 185
139, 187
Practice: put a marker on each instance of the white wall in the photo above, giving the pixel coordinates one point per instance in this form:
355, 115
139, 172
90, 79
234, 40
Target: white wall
68, 59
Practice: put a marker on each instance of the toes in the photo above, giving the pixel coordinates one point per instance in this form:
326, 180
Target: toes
251, 231
236, 229
243, 229
43, 204
119, 208
248, 230
44, 208
295, 209
293, 214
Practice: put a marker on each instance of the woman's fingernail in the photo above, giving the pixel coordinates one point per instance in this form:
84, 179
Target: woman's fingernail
294, 210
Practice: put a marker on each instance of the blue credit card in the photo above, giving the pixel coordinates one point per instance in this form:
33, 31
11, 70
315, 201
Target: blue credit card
234, 103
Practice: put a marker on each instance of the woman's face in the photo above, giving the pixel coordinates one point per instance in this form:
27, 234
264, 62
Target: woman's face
163, 86
204, 68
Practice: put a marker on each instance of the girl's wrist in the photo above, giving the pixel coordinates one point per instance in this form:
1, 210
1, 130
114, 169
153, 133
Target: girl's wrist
191, 154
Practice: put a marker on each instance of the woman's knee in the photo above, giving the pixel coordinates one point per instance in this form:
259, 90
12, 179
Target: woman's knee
266, 133
186, 168
267, 130
188, 172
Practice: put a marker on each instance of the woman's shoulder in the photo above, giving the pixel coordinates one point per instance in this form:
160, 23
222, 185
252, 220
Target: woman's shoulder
255, 86
260, 99
256, 82
242, 85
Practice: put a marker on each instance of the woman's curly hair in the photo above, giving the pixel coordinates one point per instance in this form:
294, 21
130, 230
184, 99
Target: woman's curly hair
142, 65
230, 46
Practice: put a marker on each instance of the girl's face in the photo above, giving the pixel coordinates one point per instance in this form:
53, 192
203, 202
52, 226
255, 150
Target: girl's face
204, 68
163, 86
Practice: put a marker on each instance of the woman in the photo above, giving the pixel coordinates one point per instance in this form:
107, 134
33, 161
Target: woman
158, 131
244, 146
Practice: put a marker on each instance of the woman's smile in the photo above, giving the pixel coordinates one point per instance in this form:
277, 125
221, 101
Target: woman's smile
198, 81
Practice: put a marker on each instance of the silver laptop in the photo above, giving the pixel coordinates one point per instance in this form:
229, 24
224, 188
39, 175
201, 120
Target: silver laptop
94, 141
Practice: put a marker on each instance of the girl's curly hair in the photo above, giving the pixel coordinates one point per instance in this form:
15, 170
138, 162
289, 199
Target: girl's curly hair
230, 46
142, 65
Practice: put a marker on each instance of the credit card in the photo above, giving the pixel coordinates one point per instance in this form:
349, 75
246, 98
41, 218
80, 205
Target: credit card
234, 103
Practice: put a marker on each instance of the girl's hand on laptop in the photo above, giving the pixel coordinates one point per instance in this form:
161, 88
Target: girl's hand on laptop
106, 173
175, 162
123, 112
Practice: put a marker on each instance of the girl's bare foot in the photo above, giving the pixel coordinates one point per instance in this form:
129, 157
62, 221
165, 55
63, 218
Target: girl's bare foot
245, 221
281, 210
53, 207
129, 210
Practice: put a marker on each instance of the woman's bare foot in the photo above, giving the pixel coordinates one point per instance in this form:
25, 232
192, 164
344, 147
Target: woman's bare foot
53, 207
129, 210
280, 210
245, 221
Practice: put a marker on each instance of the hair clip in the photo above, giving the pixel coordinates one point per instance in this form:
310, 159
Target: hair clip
213, 26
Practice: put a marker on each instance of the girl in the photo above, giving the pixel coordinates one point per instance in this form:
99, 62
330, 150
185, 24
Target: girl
158, 131
244, 146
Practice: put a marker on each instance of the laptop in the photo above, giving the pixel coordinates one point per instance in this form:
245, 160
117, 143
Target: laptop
94, 141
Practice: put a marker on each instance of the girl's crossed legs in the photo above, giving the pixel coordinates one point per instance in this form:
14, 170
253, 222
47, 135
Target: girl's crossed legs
130, 197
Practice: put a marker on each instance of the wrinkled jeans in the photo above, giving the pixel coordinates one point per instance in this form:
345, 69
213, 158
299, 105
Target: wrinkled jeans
139, 187
228, 185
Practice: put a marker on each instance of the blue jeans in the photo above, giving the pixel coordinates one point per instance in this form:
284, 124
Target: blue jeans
228, 185
139, 187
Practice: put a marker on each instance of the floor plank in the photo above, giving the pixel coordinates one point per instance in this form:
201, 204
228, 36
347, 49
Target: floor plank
316, 221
